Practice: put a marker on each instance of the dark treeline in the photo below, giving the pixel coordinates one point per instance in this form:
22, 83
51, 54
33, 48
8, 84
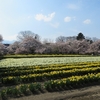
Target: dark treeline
30, 43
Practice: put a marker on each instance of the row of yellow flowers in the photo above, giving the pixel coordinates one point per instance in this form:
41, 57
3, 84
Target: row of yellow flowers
52, 85
44, 69
47, 76
72, 81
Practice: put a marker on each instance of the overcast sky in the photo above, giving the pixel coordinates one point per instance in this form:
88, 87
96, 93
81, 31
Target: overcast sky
50, 18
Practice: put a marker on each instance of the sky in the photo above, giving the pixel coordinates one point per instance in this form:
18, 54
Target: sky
49, 18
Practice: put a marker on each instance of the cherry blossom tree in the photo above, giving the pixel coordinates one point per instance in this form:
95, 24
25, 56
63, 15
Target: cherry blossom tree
3, 50
94, 48
1, 38
12, 48
29, 45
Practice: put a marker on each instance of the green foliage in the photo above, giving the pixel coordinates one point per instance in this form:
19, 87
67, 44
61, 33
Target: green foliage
33, 87
24, 89
3, 94
16, 92
80, 36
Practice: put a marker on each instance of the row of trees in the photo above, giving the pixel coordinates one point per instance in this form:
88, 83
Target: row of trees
29, 43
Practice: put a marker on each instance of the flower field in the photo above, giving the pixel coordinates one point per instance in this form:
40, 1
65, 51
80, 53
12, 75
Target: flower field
43, 61
26, 76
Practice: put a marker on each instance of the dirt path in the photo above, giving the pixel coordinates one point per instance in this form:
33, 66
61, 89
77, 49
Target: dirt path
87, 93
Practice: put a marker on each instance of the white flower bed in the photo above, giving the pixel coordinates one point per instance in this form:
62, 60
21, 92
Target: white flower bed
43, 61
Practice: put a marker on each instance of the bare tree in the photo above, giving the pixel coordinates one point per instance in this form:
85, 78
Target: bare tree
25, 34
61, 39
70, 38
94, 39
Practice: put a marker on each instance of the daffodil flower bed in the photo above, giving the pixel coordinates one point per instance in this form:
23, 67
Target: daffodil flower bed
51, 85
17, 71
10, 62
48, 75
54, 73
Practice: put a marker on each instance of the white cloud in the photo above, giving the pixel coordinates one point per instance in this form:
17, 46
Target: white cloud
55, 25
67, 19
72, 6
87, 21
45, 18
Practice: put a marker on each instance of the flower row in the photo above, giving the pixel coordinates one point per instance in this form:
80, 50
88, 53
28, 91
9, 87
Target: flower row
48, 76
42, 69
52, 85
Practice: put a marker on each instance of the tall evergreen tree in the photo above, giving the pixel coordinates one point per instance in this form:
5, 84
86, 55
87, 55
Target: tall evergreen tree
80, 36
